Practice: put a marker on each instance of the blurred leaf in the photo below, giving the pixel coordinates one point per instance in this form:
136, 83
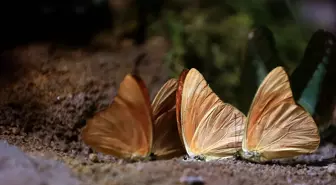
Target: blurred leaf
174, 57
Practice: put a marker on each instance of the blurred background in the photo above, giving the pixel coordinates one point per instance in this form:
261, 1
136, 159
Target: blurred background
210, 35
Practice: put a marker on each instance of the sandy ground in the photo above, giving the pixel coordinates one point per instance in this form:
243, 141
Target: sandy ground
45, 98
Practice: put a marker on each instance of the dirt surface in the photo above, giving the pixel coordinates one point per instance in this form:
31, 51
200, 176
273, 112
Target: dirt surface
45, 98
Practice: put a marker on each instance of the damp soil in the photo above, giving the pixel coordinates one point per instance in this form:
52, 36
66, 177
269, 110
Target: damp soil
46, 95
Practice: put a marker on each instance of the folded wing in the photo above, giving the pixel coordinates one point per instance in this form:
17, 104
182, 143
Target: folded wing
124, 129
209, 126
276, 126
167, 142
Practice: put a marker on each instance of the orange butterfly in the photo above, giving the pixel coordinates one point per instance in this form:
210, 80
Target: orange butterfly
131, 128
210, 129
276, 127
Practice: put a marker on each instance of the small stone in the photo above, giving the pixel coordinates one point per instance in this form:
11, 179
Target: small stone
331, 168
192, 180
15, 131
126, 43
93, 157
62, 69
106, 168
140, 167
120, 161
85, 170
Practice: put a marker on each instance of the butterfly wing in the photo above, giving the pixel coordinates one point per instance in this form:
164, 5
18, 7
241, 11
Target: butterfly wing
179, 100
165, 98
276, 126
124, 129
220, 133
210, 127
166, 139
309, 77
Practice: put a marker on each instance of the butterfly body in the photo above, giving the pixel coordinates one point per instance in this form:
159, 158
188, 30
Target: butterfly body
253, 156
138, 157
193, 157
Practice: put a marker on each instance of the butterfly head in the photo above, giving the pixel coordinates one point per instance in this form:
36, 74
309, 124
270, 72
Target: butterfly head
194, 158
253, 156
137, 157
152, 157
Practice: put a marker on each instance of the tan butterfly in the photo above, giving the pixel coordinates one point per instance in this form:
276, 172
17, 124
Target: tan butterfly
209, 128
131, 128
276, 127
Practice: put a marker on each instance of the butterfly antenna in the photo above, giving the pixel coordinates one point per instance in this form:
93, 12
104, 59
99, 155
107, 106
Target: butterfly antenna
236, 155
152, 157
235, 126
137, 63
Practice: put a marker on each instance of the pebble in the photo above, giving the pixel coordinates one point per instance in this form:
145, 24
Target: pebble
331, 168
15, 131
192, 180
93, 157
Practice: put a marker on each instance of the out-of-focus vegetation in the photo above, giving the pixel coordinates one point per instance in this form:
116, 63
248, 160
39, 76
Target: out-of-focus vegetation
212, 36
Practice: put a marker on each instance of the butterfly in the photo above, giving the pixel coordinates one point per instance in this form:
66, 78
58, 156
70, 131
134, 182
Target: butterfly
209, 128
313, 79
132, 128
276, 127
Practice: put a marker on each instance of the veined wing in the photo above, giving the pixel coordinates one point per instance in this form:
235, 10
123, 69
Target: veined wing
209, 127
179, 101
276, 126
166, 142
124, 129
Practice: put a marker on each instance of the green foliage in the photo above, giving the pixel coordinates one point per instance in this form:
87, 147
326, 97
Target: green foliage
212, 35
212, 47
